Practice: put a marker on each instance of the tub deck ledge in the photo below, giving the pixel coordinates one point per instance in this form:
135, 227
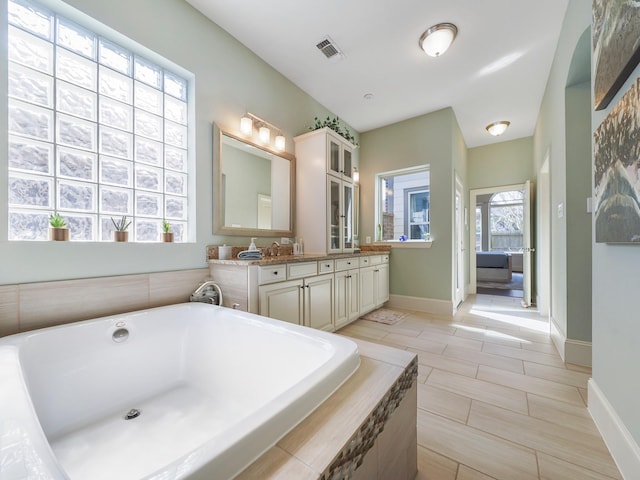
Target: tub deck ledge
367, 427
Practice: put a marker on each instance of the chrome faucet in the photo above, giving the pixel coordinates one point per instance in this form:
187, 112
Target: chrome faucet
277, 245
200, 291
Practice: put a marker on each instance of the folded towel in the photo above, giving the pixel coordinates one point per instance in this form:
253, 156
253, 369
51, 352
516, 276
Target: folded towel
250, 255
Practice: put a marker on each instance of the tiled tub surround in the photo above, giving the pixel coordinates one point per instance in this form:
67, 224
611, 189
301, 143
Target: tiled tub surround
208, 408
365, 431
29, 306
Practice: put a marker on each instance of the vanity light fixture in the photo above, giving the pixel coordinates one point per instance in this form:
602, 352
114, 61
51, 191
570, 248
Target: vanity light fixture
498, 128
438, 38
280, 142
249, 121
264, 134
246, 125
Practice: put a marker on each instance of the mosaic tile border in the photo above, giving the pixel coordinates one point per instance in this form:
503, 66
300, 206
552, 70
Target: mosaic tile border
352, 455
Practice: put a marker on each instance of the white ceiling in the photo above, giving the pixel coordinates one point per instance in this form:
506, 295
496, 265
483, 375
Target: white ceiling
496, 69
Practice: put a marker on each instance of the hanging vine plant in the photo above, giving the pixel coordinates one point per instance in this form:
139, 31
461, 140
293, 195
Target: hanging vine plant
334, 124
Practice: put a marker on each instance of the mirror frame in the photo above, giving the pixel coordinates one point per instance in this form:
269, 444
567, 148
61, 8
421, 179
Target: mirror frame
218, 227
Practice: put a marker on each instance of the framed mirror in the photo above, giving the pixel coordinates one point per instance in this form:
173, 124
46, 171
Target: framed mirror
254, 188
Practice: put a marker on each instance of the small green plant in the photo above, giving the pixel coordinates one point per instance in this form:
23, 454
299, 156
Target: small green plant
166, 226
334, 124
122, 224
56, 221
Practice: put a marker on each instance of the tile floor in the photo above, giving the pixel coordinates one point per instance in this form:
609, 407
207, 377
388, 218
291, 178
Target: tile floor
495, 401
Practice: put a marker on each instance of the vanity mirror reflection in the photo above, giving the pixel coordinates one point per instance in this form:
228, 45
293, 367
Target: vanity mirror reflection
254, 188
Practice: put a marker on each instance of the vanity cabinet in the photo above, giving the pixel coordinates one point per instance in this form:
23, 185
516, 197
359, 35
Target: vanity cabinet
325, 293
306, 301
324, 192
374, 282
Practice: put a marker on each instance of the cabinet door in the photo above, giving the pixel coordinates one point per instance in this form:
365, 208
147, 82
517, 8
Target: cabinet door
283, 301
334, 212
334, 163
347, 217
347, 163
367, 290
382, 284
318, 302
341, 299
353, 297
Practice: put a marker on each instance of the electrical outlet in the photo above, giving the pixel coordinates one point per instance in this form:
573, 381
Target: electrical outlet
560, 210
284, 241
367, 239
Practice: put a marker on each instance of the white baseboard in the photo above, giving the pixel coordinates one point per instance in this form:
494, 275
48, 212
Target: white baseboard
577, 352
558, 338
421, 304
623, 448
571, 351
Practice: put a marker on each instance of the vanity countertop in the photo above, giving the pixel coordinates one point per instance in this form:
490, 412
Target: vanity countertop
284, 259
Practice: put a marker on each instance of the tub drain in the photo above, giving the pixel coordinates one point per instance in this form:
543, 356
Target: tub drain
131, 414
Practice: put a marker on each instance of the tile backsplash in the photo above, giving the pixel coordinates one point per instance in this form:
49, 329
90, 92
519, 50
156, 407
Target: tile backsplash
35, 305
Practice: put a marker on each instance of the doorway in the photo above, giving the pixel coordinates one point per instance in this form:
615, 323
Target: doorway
500, 237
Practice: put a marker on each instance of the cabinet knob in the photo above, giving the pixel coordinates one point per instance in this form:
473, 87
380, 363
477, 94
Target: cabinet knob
275, 272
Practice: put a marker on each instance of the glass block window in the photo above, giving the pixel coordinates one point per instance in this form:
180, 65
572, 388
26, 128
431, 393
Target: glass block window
95, 131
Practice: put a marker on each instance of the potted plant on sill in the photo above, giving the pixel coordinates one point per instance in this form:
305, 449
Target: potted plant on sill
58, 230
121, 234
167, 234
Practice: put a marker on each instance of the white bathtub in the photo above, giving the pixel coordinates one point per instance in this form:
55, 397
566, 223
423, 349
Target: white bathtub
215, 389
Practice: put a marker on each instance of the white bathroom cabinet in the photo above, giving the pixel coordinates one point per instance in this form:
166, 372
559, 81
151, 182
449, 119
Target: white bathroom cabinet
324, 192
307, 302
327, 293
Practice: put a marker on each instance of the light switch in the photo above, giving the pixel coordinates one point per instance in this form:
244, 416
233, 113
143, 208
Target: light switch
560, 210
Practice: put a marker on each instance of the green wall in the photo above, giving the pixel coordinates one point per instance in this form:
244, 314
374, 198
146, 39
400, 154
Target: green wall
432, 139
504, 163
229, 80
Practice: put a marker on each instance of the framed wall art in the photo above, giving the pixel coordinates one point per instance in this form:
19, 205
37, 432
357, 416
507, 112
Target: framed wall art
617, 172
616, 46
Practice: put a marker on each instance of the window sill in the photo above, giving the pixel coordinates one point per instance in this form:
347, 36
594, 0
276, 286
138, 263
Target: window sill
407, 244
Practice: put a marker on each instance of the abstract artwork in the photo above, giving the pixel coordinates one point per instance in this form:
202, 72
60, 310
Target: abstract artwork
617, 172
616, 42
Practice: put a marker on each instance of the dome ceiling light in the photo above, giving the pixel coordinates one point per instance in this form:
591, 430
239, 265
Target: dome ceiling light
437, 39
498, 128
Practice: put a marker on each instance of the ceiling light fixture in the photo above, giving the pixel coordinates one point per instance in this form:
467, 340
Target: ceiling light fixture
437, 39
498, 128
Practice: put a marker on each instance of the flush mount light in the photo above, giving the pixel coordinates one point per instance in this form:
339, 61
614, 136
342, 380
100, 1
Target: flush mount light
437, 39
498, 128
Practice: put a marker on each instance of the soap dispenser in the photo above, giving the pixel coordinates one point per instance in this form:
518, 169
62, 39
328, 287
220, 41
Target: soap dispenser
252, 246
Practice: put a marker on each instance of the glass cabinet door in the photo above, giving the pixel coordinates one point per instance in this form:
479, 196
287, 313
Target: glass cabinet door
334, 157
347, 216
334, 214
347, 163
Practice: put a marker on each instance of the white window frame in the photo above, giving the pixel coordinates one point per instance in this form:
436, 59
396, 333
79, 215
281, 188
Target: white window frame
379, 199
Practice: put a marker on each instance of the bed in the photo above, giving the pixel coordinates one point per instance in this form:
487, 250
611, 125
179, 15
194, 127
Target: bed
494, 267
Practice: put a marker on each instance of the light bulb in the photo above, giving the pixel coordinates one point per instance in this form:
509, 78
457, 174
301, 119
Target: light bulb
264, 134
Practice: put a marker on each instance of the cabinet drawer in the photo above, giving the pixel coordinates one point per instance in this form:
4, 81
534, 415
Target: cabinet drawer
375, 259
346, 264
300, 270
271, 274
366, 261
325, 266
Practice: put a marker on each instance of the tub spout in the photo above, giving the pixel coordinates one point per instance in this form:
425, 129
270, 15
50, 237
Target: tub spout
200, 295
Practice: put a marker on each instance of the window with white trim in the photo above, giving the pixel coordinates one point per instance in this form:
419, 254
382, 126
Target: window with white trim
403, 204
96, 131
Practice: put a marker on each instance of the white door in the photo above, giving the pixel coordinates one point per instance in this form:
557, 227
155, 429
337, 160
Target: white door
527, 250
458, 272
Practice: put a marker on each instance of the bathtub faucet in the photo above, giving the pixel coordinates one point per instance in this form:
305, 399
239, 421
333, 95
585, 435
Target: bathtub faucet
201, 294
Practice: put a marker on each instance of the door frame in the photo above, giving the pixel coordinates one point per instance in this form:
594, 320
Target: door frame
473, 195
458, 243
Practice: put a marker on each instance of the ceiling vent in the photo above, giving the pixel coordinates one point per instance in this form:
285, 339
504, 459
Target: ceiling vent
330, 49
